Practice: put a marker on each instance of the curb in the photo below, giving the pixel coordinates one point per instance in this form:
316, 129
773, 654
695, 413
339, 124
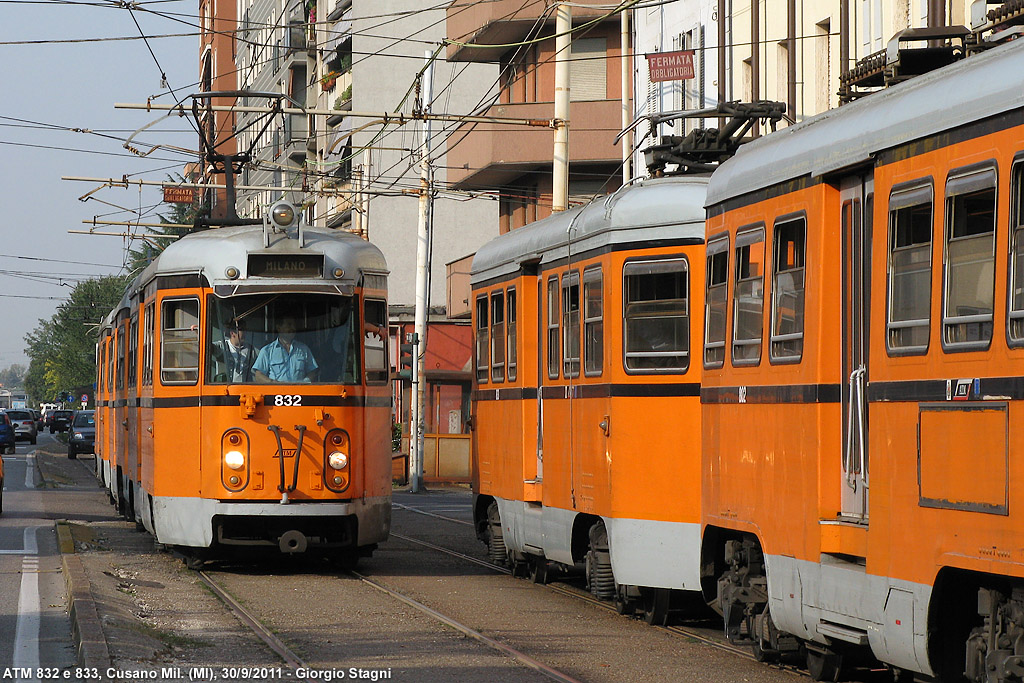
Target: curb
86, 629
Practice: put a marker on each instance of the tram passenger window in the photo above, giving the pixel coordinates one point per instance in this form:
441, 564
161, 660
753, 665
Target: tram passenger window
498, 341
748, 302
119, 371
375, 335
512, 364
571, 324
133, 347
656, 300
482, 355
593, 322
553, 315
970, 258
788, 292
717, 286
910, 255
147, 345
1016, 322
179, 343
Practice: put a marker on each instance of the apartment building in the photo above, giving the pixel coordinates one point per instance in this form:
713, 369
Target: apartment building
217, 21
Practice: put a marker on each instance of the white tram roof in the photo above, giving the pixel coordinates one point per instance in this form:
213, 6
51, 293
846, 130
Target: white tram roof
651, 209
980, 86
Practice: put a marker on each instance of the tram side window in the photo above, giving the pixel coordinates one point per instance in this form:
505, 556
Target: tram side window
788, 291
1016, 323
119, 374
593, 322
110, 362
512, 363
910, 254
375, 335
656, 298
553, 315
715, 302
133, 351
482, 355
498, 340
179, 342
970, 258
748, 302
571, 324
147, 345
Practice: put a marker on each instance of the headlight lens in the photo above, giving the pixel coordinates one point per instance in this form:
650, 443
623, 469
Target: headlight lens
337, 460
234, 459
283, 214
78, 435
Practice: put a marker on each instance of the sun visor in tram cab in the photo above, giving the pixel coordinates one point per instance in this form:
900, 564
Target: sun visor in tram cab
290, 266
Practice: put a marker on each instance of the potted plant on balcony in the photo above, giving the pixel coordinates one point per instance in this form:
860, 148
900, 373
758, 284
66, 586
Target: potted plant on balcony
329, 79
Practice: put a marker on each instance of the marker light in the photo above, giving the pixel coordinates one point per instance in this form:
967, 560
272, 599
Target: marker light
234, 459
337, 460
231, 272
282, 214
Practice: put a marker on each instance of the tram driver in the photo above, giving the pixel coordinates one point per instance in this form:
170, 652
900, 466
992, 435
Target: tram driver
286, 359
234, 354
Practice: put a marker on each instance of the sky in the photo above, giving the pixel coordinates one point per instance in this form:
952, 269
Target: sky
49, 87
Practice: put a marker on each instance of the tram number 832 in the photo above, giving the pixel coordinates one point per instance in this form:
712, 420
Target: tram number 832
283, 400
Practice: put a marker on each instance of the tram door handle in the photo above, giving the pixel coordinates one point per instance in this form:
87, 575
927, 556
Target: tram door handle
124, 423
606, 425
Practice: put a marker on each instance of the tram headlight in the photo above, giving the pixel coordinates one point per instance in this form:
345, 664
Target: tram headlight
234, 459
283, 214
337, 460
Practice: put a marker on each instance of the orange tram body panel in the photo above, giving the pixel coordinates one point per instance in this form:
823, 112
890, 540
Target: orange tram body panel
863, 363
214, 430
586, 410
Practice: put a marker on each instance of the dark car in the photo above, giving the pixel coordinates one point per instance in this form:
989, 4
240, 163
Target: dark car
61, 420
7, 436
83, 433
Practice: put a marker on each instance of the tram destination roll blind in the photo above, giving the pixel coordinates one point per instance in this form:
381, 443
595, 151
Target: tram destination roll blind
286, 265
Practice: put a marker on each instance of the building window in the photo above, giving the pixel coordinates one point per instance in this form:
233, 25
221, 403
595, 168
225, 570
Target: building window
588, 77
482, 344
593, 322
179, 342
715, 301
788, 291
553, 315
511, 317
571, 324
748, 298
970, 257
910, 255
656, 315
498, 340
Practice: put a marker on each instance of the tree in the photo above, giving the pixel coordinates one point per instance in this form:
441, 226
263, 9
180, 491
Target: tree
181, 214
12, 376
63, 349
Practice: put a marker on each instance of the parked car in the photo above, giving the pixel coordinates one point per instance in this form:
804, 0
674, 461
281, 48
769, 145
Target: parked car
83, 433
39, 420
24, 423
1, 485
7, 438
60, 420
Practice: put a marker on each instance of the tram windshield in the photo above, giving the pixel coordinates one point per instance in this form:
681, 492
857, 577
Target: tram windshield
283, 338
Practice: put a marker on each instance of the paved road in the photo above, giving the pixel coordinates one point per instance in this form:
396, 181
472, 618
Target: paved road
34, 626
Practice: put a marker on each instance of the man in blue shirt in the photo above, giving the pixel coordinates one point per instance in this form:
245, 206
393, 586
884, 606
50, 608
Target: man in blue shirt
285, 359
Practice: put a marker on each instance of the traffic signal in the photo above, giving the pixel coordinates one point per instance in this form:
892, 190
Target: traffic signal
405, 361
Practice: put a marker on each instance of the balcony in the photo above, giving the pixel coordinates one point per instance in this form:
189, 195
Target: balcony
500, 153
502, 21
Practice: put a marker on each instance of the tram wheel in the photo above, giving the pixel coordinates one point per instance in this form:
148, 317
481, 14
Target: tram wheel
656, 601
824, 665
538, 569
600, 579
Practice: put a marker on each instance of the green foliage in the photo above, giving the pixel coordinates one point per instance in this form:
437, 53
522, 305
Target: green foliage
12, 376
63, 349
183, 214
396, 437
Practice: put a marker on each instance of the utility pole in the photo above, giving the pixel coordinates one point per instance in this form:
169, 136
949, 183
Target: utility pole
416, 424
560, 167
624, 78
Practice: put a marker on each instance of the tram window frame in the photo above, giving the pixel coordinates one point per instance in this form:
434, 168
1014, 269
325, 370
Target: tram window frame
969, 191
112, 341
482, 339
1015, 257
747, 238
499, 343
904, 200
633, 310
553, 327
119, 372
716, 283
788, 347
572, 347
593, 322
147, 344
375, 324
133, 350
189, 374
511, 357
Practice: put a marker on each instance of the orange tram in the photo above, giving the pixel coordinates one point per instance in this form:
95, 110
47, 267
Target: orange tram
243, 399
845, 488
580, 320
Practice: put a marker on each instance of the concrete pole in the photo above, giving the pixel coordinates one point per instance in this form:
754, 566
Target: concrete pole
624, 76
560, 166
416, 426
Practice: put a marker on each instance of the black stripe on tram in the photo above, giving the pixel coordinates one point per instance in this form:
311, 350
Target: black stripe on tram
793, 393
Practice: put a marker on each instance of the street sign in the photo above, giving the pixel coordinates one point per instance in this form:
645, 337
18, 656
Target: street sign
85, 398
670, 66
179, 195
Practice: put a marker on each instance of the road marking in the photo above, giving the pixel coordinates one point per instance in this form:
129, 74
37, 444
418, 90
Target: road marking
26, 633
30, 462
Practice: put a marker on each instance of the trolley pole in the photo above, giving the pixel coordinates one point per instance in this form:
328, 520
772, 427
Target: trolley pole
417, 426
560, 167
